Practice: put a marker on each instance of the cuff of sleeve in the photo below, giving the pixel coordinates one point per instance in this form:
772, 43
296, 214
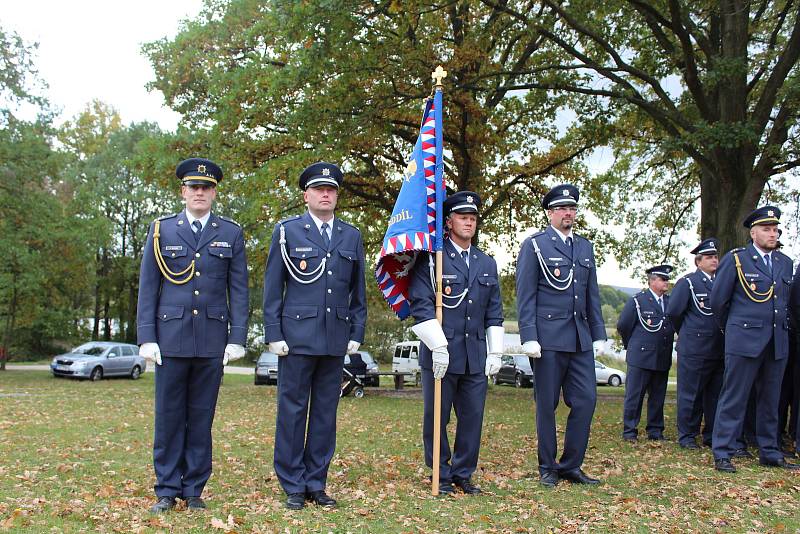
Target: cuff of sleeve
357, 333
273, 333
528, 333
237, 336
146, 333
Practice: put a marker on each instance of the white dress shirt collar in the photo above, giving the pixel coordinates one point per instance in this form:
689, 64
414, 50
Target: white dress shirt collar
203, 220
319, 222
562, 236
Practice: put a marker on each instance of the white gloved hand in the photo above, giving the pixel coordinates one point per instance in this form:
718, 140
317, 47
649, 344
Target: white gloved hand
532, 349
441, 359
352, 346
150, 352
232, 352
493, 364
279, 347
598, 347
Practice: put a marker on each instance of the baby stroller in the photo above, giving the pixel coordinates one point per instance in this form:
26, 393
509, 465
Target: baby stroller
353, 375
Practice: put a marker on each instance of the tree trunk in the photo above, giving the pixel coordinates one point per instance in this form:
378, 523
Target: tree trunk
10, 322
724, 206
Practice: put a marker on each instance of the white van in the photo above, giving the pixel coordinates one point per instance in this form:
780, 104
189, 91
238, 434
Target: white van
406, 360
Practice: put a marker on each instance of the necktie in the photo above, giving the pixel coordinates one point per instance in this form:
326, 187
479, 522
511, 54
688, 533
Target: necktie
325, 238
661, 304
465, 255
569, 241
198, 228
768, 261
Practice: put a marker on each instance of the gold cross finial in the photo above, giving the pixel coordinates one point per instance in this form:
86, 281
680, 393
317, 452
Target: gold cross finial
438, 75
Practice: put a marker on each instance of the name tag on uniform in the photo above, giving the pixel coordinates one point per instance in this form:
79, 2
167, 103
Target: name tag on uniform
449, 276
752, 275
556, 259
173, 247
222, 244
645, 312
303, 249
701, 294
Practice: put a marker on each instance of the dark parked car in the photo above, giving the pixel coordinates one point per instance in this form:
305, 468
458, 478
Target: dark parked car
267, 368
515, 369
98, 359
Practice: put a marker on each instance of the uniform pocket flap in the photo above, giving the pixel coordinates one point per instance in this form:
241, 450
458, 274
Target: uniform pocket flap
646, 346
220, 313
221, 252
343, 313
167, 313
448, 332
487, 280
348, 254
550, 315
174, 251
303, 252
300, 312
747, 323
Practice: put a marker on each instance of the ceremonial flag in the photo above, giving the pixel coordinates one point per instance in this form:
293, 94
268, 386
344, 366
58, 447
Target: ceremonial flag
416, 221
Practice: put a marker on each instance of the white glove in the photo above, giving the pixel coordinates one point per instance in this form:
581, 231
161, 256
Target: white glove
232, 352
352, 346
492, 364
597, 347
532, 349
150, 352
279, 347
441, 359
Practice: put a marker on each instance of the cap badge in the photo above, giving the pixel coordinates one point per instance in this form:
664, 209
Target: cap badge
771, 213
565, 192
469, 199
326, 172
201, 168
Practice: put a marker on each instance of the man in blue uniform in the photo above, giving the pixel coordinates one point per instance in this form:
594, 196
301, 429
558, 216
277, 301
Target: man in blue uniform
561, 327
314, 313
456, 350
647, 336
751, 303
700, 347
192, 320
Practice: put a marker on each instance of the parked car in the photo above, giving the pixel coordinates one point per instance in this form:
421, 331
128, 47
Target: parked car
98, 359
372, 378
406, 360
515, 369
267, 368
608, 375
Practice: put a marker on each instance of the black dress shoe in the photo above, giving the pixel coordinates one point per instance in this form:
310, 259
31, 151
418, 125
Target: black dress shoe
195, 503
549, 479
630, 439
164, 504
724, 465
783, 464
657, 437
741, 453
706, 444
577, 476
691, 445
446, 488
320, 498
466, 486
295, 501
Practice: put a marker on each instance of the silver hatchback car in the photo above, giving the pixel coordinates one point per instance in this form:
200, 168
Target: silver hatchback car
98, 359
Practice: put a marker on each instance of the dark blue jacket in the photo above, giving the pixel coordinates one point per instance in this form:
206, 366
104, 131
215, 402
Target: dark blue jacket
465, 325
567, 320
750, 325
645, 349
193, 319
318, 318
691, 316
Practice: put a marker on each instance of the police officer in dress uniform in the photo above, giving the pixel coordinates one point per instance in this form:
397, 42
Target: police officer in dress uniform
700, 347
314, 313
750, 302
647, 335
456, 351
192, 320
561, 327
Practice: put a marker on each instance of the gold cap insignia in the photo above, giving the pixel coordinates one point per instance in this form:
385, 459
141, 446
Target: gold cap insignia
201, 168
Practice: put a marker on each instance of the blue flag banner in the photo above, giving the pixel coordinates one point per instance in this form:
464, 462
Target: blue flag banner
416, 222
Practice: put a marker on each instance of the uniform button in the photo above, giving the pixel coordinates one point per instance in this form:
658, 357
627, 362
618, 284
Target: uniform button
221, 316
574, 313
745, 325
576, 297
164, 316
467, 335
328, 310
220, 255
469, 301
328, 254
298, 316
197, 273
774, 325
173, 254
468, 318
549, 316
195, 312
196, 254
329, 273
329, 291
196, 292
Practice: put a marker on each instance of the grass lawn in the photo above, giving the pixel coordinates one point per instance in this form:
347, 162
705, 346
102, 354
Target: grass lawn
76, 456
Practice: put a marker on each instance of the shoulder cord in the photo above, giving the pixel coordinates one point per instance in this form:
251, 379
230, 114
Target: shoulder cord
551, 279
697, 302
649, 328
162, 265
460, 296
750, 292
291, 267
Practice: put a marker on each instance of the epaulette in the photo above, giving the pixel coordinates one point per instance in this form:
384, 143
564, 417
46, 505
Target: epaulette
739, 249
228, 220
165, 217
348, 224
287, 219
537, 234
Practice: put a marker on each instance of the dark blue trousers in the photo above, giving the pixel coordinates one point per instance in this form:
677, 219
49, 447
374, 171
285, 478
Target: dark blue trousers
305, 427
741, 375
570, 373
186, 398
466, 394
638, 383
699, 384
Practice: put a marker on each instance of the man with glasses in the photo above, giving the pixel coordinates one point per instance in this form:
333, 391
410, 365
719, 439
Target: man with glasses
561, 328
